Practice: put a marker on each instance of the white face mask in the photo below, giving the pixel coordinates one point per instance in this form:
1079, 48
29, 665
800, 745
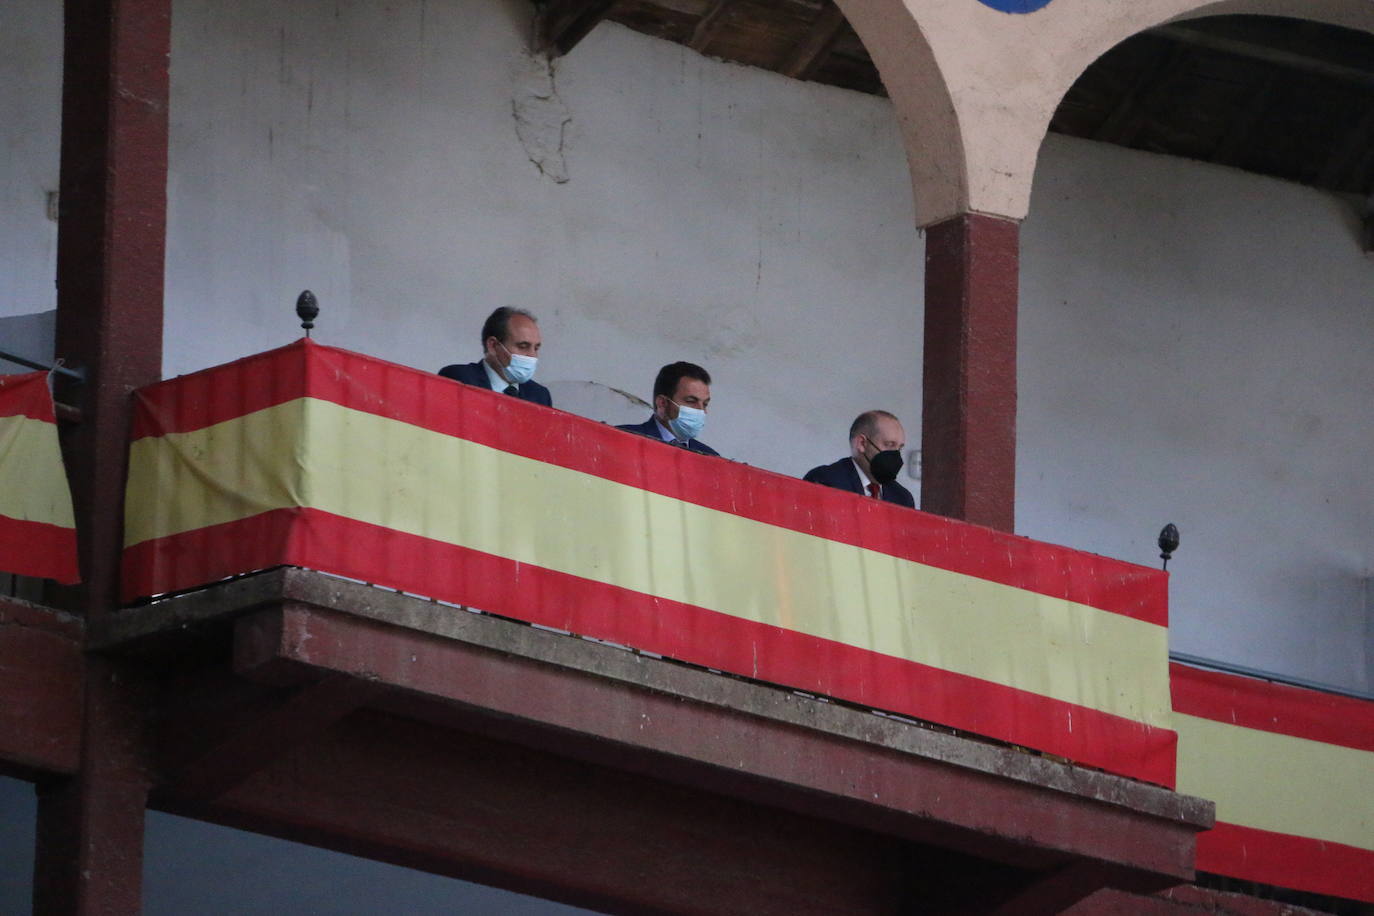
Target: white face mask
521, 367
688, 423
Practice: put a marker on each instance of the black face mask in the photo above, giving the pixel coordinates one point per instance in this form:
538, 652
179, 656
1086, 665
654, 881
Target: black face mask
884, 466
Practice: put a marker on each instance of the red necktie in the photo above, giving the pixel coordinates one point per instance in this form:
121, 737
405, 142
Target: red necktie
875, 491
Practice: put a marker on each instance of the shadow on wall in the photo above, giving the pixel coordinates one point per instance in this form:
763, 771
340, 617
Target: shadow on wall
30, 336
596, 401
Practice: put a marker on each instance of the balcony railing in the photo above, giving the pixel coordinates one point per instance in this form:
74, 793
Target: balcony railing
316, 457
320, 458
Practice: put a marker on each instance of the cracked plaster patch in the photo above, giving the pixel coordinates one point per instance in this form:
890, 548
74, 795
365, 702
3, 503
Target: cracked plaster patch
541, 116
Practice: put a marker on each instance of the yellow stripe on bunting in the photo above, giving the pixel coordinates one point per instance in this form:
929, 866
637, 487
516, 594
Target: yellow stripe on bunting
35, 483
37, 526
405, 478
1278, 783
1292, 772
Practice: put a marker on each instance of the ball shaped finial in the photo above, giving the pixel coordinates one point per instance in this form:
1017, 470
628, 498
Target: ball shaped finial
307, 310
1168, 542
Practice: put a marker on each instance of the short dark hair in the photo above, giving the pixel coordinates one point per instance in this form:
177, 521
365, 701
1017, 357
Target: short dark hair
669, 376
498, 323
866, 423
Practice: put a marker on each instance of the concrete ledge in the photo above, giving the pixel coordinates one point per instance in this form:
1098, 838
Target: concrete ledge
144, 628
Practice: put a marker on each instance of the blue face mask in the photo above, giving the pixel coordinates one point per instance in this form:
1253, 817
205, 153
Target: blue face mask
689, 422
520, 369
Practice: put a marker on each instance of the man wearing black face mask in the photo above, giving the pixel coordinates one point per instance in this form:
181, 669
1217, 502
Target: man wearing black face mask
876, 440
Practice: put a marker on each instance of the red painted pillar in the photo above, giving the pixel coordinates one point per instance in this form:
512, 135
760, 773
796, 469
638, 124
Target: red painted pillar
968, 425
89, 849
110, 250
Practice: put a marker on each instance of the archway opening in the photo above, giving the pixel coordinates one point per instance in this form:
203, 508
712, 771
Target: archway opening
1280, 97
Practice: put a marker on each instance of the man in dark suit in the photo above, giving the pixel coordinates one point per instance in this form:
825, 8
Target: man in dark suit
682, 392
510, 351
876, 440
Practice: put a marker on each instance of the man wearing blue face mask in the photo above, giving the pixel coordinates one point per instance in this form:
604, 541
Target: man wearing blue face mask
876, 440
682, 392
510, 352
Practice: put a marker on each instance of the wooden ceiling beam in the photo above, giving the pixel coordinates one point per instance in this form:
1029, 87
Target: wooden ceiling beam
1350, 153
708, 26
810, 53
1279, 57
563, 23
1230, 149
1127, 118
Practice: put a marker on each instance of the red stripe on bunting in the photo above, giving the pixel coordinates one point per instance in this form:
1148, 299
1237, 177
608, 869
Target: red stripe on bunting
39, 549
1282, 860
27, 395
319, 540
1269, 707
509, 424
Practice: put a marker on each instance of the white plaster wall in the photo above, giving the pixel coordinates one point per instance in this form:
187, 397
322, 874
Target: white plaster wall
753, 224
1193, 339
30, 120
1195, 347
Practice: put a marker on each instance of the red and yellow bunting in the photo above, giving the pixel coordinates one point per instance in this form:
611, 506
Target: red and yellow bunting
320, 458
1292, 775
37, 528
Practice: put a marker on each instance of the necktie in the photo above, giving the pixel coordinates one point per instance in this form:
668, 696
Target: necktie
875, 491
512, 391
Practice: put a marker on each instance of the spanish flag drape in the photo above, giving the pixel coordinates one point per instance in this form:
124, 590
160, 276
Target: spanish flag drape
37, 528
316, 457
1292, 773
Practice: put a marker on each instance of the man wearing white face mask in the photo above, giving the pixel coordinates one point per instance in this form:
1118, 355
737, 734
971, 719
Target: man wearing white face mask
510, 352
682, 392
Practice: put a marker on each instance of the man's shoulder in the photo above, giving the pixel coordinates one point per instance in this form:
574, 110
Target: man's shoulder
650, 429
467, 373
902, 494
535, 393
827, 472
644, 429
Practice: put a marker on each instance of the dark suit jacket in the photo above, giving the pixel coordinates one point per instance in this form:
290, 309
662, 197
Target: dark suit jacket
650, 428
842, 475
473, 374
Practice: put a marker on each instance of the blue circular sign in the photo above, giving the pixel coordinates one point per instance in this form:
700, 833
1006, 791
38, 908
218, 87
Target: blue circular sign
1016, 6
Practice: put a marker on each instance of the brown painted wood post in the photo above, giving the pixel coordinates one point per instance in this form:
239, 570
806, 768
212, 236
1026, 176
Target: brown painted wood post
110, 257
968, 425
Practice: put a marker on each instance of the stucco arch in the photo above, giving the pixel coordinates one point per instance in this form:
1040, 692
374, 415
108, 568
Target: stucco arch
975, 88
1352, 14
925, 112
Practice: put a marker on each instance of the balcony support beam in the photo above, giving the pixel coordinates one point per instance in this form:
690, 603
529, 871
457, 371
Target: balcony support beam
41, 671
233, 733
490, 750
481, 687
